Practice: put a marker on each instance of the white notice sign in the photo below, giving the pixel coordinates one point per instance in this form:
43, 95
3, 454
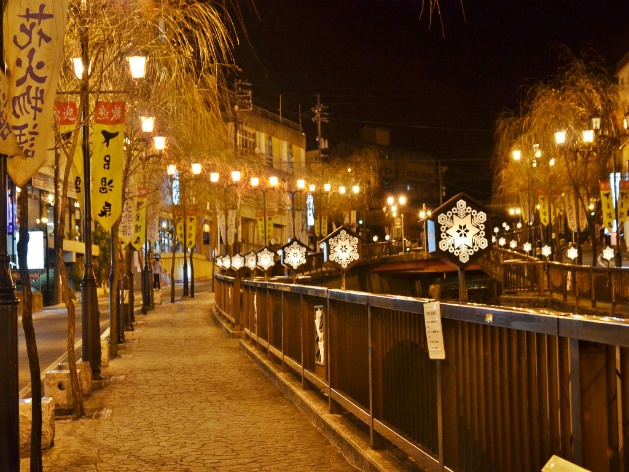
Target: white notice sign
434, 332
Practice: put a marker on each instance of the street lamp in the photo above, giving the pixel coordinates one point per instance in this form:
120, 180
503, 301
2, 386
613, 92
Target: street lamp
401, 200
90, 331
424, 214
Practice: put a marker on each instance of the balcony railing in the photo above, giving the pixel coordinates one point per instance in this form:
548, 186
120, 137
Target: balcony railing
515, 387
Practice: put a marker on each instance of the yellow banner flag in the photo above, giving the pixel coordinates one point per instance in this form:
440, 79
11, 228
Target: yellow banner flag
317, 226
66, 116
191, 231
34, 31
542, 201
139, 219
107, 162
260, 220
125, 229
269, 225
324, 225
623, 201
607, 204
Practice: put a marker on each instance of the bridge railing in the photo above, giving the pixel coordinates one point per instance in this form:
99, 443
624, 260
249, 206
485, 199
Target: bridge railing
583, 285
515, 387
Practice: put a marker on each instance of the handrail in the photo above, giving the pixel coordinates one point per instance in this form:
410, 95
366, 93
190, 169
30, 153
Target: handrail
516, 385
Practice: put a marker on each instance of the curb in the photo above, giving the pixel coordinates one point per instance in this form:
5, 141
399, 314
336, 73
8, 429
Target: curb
339, 431
223, 324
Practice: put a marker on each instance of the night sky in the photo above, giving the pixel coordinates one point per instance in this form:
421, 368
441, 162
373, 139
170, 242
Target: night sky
379, 63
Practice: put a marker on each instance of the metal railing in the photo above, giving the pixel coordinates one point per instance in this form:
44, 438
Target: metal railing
582, 285
515, 388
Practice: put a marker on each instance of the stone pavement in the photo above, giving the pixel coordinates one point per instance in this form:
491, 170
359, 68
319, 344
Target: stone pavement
183, 397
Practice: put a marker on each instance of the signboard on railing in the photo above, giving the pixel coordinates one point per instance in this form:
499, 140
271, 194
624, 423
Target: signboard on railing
434, 330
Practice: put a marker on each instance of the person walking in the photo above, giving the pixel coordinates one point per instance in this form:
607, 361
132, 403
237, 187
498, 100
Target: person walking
158, 270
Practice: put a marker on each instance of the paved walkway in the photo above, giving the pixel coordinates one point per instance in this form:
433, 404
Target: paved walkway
184, 398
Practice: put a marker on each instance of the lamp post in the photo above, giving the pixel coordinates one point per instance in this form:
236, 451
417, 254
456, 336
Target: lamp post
424, 214
171, 170
393, 203
272, 184
90, 314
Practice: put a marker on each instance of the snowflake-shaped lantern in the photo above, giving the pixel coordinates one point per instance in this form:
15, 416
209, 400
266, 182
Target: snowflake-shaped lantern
294, 255
265, 259
502, 241
546, 250
342, 248
237, 262
608, 253
227, 262
572, 253
250, 260
513, 244
461, 233
527, 247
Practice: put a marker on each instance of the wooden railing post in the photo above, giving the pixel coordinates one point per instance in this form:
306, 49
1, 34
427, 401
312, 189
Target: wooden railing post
236, 304
374, 328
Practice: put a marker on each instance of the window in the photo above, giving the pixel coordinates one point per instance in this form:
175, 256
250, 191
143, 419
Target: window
291, 164
248, 139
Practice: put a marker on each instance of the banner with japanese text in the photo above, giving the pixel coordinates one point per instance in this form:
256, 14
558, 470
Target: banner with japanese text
571, 211
191, 231
607, 205
66, 116
34, 31
583, 217
231, 226
623, 201
125, 229
269, 225
222, 224
317, 226
139, 218
153, 227
107, 162
324, 225
542, 201
260, 221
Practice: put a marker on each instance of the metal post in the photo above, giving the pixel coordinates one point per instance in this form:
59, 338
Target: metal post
618, 254
403, 241
89, 297
184, 245
131, 297
9, 396
146, 290
192, 273
114, 332
264, 218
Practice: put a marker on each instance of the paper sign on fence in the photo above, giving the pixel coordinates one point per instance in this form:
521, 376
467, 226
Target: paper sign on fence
434, 331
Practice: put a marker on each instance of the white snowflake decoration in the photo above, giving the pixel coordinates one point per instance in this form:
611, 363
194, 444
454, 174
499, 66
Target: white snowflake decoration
237, 262
572, 253
295, 255
266, 259
250, 260
227, 262
546, 250
608, 253
343, 249
527, 247
502, 241
513, 244
462, 231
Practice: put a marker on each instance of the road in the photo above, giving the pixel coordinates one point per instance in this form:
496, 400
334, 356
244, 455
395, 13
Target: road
51, 330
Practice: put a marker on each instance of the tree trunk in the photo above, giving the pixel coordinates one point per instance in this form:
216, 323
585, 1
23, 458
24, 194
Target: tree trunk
29, 335
115, 293
66, 292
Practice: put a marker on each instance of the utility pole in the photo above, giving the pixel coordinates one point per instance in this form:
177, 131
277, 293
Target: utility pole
320, 116
242, 102
440, 173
